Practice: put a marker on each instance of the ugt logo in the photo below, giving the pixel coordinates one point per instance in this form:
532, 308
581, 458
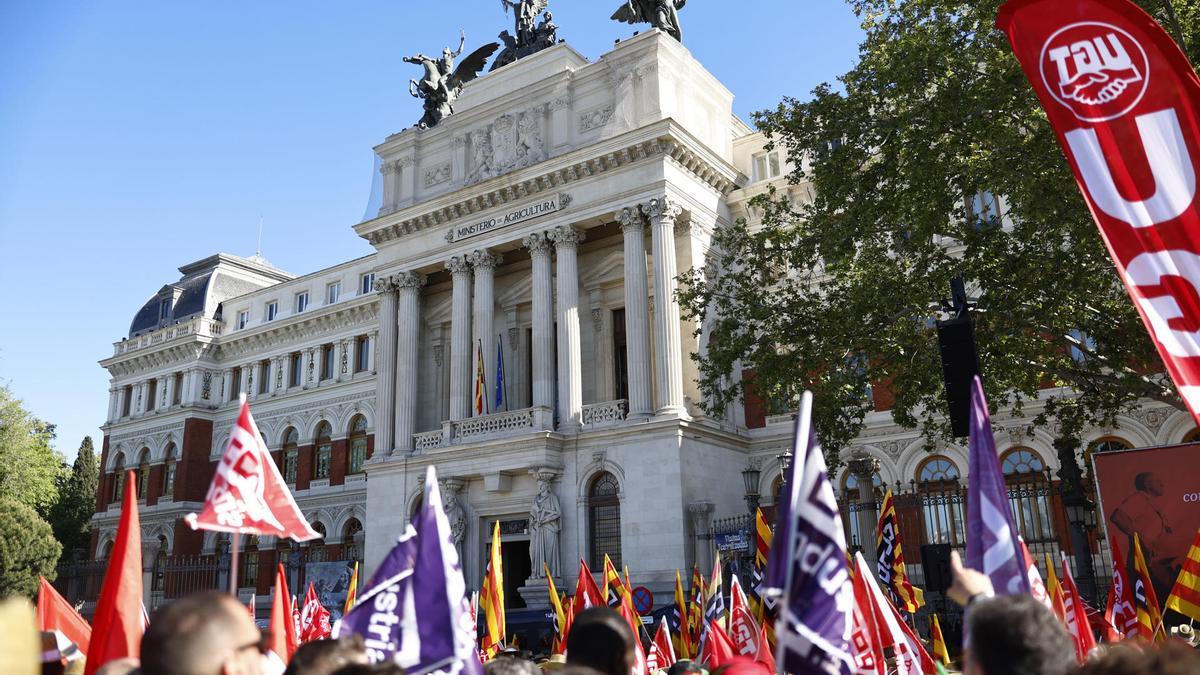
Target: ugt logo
1096, 70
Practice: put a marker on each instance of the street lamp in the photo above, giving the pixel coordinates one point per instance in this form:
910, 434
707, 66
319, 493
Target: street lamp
750, 476
1081, 516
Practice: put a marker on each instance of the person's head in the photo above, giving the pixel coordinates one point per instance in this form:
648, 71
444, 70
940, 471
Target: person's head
684, 667
1149, 482
1015, 635
601, 639
511, 664
207, 633
325, 657
1170, 658
119, 666
385, 668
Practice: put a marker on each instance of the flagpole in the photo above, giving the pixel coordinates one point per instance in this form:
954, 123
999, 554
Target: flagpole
505, 387
233, 563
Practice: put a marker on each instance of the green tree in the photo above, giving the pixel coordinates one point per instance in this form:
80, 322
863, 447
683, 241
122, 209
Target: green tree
27, 549
71, 515
835, 284
29, 467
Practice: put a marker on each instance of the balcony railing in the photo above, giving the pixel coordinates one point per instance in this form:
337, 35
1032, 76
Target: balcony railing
607, 414
200, 327
485, 427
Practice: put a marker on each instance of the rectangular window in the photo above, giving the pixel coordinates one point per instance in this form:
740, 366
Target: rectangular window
152, 394
333, 292
243, 318
272, 310
362, 354
164, 308
301, 301
290, 460
766, 166
327, 362
620, 355
358, 454
297, 377
324, 453
236, 388
366, 283
264, 379
169, 479
177, 390
984, 209
127, 402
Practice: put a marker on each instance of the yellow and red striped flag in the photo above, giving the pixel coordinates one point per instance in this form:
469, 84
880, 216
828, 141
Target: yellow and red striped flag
893, 575
1185, 596
352, 592
1055, 592
560, 618
492, 599
614, 588
1149, 616
683, 637
480, 382
696, 606
939, 641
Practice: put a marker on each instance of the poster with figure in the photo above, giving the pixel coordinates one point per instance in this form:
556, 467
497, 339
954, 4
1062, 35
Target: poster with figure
1154, 492
331, 581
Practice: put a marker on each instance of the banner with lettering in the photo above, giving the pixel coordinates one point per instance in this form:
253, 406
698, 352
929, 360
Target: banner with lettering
1125, 105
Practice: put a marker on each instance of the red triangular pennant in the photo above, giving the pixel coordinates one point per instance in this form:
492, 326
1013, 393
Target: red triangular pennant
119, 622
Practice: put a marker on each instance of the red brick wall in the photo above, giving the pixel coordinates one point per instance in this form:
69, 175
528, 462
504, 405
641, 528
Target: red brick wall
194, 472
154, 485
370, 446
305, 465
339, 461
756, 408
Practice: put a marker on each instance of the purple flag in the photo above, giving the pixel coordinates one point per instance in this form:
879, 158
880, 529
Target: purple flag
807, 568
992, 546
415, 610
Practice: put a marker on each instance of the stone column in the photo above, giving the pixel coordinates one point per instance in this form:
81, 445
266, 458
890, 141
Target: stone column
484, 344
168, 392
637, 319
460, 338
227, 393
570, 371
188, 395
864, 467
661, 214
543, 320
408, 337
701, 513
112, 404
385, 385
372, 343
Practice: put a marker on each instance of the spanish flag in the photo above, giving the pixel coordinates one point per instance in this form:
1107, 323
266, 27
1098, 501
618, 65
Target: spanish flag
939, 641
683, 640
352, 592
614, 588
893, 575
560, 618
1185, 596
492, 599
480, 381
1149, 616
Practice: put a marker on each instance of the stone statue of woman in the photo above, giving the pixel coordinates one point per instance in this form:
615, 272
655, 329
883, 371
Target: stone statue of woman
544, 524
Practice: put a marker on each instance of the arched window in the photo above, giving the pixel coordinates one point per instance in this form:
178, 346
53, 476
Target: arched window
1109, 444
349, 545
291, 455
168, 486
143, 475
160, 566
104, 551
937, 468
119, 478
316, 550
1028, 493
604, 519
854, 503
941, 501
358, 443
324, 450
249, 572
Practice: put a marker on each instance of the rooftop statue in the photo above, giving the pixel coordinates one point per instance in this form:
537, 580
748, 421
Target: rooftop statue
532, 36
663, 14
443, 82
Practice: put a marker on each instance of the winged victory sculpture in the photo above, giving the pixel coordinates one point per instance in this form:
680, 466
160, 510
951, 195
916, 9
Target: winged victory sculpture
532, 35
662, 14
442, 82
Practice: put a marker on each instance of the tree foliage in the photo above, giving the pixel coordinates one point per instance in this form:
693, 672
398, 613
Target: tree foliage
835, 285
27, 549
29, 467
71, 515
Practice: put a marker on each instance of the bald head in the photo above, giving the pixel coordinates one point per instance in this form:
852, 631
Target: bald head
204, 634
601, 639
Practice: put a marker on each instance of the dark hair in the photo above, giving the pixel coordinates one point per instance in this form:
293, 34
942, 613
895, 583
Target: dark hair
192, 634
684, 666
1139, 481
508, 664
1017, 635
600, 639
385, 668
325, 657
1170, 658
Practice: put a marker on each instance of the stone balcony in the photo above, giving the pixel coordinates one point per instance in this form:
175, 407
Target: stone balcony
514, 423
198, 327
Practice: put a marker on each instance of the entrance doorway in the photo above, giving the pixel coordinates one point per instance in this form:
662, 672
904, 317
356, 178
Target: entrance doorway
515, 557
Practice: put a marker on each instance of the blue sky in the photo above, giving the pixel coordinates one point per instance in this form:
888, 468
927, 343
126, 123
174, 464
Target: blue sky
136, 137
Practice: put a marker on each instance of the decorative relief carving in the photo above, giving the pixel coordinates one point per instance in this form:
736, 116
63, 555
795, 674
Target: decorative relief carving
206, 385
661, 208
512, 141
512, 338
345, 358
438, 355
597, 314
437, 175
630, 218
595, 119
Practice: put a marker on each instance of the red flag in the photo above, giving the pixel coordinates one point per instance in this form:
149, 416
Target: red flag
662, 652
1125, 105
911, 657
737, 596
314, 618
743, 631
55, 613
1076, 616
586, 593
119, 621
864, 635
247, 494
765, 656
1037, 587
1124, 614
284, 639
718, 648
635, 624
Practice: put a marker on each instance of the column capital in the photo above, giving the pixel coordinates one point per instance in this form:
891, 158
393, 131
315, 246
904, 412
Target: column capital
565, 236
630, 218
661, 208
458, 265
538, 244
385, 284
407, 280
484, 259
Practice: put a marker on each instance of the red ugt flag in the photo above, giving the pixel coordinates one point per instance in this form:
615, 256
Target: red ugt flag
247, 494
1125, 105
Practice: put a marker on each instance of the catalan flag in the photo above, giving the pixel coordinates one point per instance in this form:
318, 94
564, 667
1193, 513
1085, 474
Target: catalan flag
892, 573
352, 592
492, 598
480, 381
762, 605
614, 588
939, 641
1149, 616
696, 607
1185, 596
683, 638
560, 617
